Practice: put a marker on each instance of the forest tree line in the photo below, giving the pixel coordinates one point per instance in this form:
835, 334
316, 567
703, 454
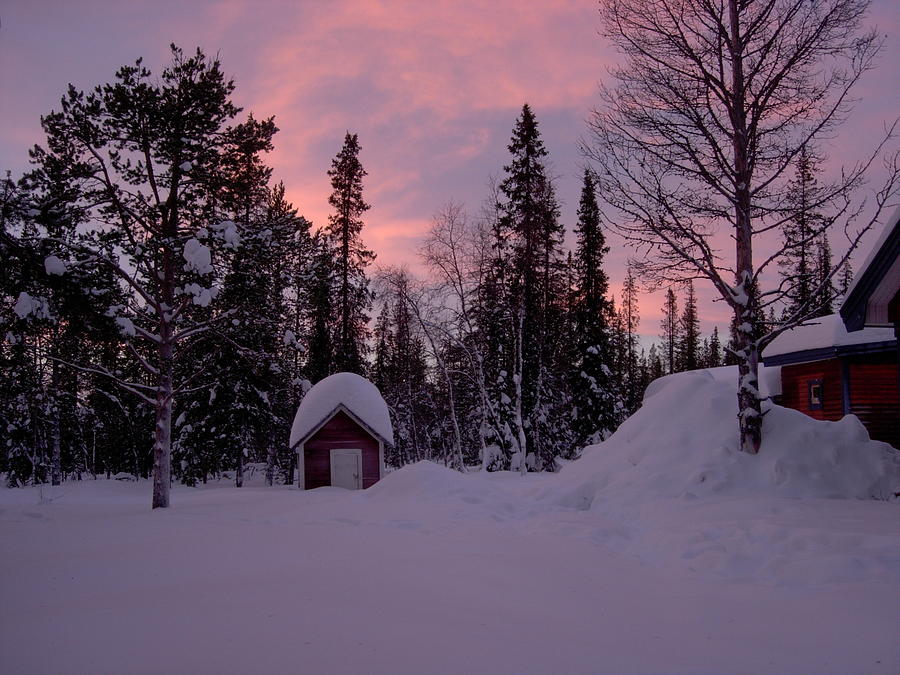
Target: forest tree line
165, 308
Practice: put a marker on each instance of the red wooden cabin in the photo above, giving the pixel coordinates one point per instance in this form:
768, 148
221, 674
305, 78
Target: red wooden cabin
851, 363
340, 433
827, 373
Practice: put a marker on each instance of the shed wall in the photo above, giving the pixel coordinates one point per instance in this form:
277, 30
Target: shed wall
339, 432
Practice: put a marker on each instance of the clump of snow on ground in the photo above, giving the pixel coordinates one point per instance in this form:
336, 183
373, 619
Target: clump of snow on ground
678, 491
683, 442
354, 392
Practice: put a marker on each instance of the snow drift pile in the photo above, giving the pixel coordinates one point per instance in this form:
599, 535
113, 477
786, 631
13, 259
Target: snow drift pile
683, 443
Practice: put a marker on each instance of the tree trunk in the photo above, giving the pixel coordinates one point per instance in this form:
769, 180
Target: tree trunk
749, 408
56, 447
517, 381
239, 471
162, 442
749, 405
270, 465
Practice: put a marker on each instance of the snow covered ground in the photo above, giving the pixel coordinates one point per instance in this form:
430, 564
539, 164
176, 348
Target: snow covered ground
660, 551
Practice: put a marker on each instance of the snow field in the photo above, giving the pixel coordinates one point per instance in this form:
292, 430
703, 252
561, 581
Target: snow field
660, 551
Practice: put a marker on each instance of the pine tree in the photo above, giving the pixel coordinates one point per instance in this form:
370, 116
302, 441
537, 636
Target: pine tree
494, 324
291, 260
592, 386
689, 332
800, 262
825, 290
630, 320
529, 219
144, 156
714, 353
654, 364
381, 374
352, 296
319, 311
846, 279
670, 331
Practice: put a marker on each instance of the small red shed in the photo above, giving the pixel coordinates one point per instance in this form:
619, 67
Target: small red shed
340, 433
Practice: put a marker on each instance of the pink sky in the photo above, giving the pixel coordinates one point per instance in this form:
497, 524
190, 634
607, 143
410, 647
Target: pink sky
432, 88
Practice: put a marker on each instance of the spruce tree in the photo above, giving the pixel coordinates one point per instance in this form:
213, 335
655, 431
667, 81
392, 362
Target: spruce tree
595, 399
670, 331
798, 266
714, 353
494, 324
825, 290
352, 296
689, 332
529, 219
630, 320
846, 279
319, 311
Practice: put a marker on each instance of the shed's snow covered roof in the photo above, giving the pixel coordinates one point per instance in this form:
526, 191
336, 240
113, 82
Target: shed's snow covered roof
355, 393
827, 332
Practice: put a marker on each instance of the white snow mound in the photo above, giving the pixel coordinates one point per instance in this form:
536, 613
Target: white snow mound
422, 479
355, 393
683, 443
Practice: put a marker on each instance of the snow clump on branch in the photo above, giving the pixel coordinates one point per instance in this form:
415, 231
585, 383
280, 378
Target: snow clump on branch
197, 256
54, 265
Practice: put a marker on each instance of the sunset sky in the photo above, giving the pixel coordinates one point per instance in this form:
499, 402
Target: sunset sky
431, 87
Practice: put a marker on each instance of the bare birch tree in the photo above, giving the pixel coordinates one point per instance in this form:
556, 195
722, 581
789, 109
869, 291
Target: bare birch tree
427, 310
697, 138
455, 252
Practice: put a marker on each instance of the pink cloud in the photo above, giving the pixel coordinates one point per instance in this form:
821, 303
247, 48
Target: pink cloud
432, 88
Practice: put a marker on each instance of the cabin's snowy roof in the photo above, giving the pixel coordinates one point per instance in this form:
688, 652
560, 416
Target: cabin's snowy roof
887, 229
868, 299
827, 332
355, 393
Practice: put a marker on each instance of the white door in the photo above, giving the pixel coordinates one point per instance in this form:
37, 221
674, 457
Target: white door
346, 468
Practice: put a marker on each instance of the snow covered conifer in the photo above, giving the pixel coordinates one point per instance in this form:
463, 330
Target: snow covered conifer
142, 159
689, 332
630, 319
593, 390
669, 326
529, 222
352, 295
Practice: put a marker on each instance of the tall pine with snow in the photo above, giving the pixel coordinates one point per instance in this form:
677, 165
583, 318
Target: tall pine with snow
689, 331
670, 330
798, 267
529, 221
595, 398
352, 297
319, 310
629, 320
143, 156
